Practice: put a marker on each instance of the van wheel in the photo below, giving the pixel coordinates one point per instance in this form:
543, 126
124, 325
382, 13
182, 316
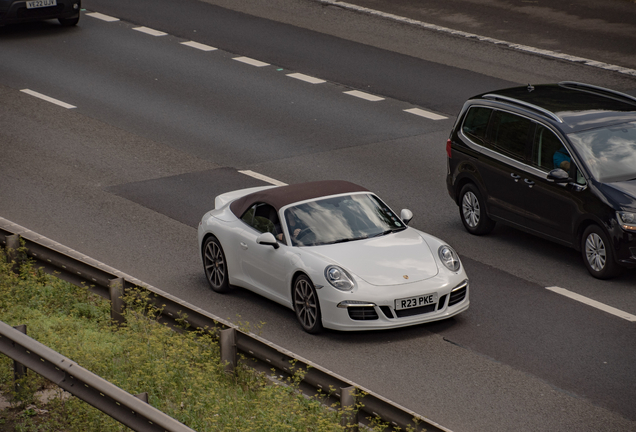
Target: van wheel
598, 255
472, 210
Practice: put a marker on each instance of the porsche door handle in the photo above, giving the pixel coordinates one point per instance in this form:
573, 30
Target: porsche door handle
243, 246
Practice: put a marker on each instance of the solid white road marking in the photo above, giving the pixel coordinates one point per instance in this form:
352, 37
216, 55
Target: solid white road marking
48, 99
598, 305
251, 61
306, 78
494, 41
199, 46
150, 31
263, 177
424, 113
363, 95
102, 17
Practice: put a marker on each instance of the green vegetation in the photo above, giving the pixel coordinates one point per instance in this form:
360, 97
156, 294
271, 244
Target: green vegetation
181, 371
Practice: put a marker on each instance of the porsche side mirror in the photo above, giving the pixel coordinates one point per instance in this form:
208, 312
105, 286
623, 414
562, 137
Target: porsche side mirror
267, 239
406, 215
559, 176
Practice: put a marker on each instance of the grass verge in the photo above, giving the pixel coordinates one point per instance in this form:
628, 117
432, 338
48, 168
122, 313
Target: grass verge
181, 371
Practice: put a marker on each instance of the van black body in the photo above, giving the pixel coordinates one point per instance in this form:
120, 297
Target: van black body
556, 160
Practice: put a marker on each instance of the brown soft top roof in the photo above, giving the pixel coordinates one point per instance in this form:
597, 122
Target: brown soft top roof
281, 196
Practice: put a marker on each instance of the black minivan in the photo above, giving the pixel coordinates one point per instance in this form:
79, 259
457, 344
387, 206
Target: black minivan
555, 160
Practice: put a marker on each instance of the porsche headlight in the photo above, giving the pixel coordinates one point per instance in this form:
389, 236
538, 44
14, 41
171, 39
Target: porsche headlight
627, 220
339, 278
449, 258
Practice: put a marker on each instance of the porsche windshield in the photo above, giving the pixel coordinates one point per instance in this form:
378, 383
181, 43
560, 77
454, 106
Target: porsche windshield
609, 152
340, 219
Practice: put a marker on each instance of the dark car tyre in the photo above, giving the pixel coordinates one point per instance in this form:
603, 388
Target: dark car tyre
598, 255
472, 210
215, 266
306, 305
68, 22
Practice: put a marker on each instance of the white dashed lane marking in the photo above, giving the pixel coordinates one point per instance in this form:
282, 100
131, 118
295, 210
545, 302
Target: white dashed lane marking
150, 31
363, 95
47, 98
257, 63
426, 114
263, 178
102, 17
598, 305
199, 46
306, 78
251, 61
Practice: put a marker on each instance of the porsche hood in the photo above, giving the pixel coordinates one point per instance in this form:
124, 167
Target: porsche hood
394, 259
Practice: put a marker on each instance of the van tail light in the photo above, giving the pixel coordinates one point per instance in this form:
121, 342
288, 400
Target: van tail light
448, 148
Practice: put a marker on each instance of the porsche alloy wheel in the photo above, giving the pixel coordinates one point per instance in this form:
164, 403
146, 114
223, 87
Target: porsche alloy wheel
215, 265
306, 305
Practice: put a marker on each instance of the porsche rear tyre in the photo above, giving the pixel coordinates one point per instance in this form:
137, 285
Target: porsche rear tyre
306, 305
215, 266
598, 255
472, 210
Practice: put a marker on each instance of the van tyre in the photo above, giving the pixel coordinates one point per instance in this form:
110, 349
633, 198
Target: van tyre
598, 255
472, 210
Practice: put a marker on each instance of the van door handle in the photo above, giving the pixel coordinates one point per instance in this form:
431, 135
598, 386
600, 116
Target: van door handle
529, 182
516, 177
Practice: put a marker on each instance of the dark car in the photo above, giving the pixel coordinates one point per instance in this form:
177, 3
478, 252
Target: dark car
67, 12
556, 160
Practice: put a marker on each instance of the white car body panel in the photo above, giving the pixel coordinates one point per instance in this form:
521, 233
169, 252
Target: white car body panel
386, 268
379, 262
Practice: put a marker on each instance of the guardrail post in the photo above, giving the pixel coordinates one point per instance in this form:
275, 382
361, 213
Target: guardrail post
13, 244
19, 370
116, 289
348, 401
228, 349
142, 396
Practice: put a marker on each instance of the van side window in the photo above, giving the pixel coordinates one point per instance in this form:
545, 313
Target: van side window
544, 148
476, 124
509, 134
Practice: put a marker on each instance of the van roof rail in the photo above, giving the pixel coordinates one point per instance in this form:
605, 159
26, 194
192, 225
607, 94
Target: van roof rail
528, 105
599, 90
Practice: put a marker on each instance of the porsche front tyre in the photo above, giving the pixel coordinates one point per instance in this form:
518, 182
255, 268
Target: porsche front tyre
306, 305
215, 265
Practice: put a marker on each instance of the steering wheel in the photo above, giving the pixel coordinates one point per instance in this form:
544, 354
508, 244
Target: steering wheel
303, 232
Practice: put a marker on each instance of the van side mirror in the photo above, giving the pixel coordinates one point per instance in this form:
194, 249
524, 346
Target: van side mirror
267, 239
559, 176
406, 215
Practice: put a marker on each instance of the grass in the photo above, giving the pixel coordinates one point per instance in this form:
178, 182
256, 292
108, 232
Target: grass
181, 371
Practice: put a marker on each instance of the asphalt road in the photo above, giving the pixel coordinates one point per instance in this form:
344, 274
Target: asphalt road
160, 128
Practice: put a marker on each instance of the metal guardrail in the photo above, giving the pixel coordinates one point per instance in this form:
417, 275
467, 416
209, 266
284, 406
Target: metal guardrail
117, 403
78, 268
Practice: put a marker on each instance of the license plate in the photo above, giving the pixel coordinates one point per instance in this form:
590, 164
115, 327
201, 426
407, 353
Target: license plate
40, 3
417, 301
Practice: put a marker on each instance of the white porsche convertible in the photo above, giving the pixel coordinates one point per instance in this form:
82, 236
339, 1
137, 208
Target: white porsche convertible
333, 252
